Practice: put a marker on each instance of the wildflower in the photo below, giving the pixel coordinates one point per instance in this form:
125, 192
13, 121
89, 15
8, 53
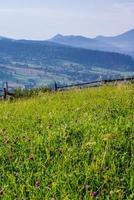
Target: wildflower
87, 187
90, 144
59, 150
37, 184
31, 158
6, 141
107, 137
111, 192
94, 194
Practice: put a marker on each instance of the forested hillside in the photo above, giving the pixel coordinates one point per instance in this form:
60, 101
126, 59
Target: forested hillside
35, 63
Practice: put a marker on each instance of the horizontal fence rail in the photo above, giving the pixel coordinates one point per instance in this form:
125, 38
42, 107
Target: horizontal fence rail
96, 83
6, 92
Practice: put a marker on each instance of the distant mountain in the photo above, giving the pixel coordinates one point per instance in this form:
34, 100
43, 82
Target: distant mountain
2, 38
83, 42
123, 43
5, 38
34, 63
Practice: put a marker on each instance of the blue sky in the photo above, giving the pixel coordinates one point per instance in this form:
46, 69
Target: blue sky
42, 19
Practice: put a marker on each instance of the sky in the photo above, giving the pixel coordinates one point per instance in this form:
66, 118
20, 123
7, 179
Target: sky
42, 19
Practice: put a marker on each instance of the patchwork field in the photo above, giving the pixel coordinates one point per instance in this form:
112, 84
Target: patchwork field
74, 145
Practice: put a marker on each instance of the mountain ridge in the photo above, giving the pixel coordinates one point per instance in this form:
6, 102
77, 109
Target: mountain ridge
123, 43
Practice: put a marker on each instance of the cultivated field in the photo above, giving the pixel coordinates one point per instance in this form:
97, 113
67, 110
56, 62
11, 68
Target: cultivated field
73, 145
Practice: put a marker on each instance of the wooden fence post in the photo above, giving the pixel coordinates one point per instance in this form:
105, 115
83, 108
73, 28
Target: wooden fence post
7, 86
5, 93
55, 86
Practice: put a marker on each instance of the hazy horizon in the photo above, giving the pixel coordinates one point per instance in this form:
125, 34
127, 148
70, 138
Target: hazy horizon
43, 19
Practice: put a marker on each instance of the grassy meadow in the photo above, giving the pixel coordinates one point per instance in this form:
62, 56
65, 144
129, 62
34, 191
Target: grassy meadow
73, 145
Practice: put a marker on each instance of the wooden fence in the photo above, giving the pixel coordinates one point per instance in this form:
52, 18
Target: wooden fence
95, 83
6, 94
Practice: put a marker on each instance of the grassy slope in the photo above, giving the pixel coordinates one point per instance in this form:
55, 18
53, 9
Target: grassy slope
67, 145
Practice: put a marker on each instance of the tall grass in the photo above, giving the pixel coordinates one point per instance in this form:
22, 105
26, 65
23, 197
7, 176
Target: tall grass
76, 145
26, 93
